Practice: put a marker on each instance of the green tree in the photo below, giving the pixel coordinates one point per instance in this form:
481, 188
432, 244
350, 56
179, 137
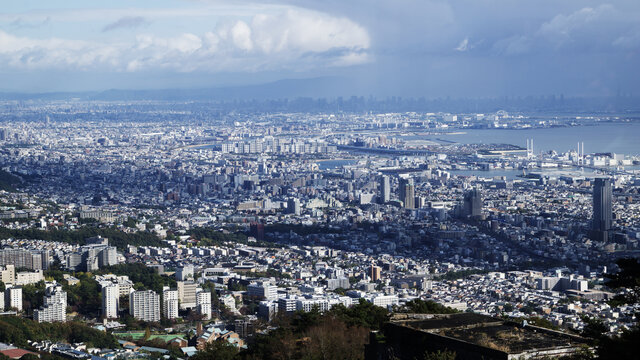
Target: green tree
217, 350
19, 331
419, 306
363, 314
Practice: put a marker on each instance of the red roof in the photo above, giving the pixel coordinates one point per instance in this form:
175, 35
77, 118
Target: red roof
17, 353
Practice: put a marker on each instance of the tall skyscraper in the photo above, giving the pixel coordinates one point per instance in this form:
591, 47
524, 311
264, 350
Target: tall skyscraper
385, 189
110, 299
473, 203
602, 208
407, 193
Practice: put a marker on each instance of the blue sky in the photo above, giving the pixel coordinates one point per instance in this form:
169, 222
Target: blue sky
429, 48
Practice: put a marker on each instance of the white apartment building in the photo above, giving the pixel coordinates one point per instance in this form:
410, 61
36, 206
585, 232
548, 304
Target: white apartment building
110, 300
13, 298
125, 285
307, 305
55, 306
29, 277
287, 304
203, 302
384, 300
170, 303
145, 305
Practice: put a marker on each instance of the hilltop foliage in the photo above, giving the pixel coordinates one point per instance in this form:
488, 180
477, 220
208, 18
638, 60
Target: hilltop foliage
17, 330
8, 181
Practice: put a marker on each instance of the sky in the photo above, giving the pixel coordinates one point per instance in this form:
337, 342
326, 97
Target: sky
430, 48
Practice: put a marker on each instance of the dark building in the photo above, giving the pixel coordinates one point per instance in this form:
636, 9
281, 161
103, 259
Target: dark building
470, 336
472, 203
602, 211
385, 189
257, 230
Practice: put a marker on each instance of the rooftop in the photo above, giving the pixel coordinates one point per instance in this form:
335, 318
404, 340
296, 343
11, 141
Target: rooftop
489, 332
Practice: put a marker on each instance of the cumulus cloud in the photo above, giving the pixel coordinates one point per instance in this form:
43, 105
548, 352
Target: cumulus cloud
127, 22
292, 39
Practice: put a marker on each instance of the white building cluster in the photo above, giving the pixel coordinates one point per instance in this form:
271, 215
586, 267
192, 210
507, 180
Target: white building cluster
54, 308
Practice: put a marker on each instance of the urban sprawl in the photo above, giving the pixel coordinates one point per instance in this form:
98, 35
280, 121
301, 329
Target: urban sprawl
200, 226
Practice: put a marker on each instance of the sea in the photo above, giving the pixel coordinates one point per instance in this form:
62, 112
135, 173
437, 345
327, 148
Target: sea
619, 138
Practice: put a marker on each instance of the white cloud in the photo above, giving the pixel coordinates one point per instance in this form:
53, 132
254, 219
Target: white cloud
291, 39
241, 36
463, 46
588, 29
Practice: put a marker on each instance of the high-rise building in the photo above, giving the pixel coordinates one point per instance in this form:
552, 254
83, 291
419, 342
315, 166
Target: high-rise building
108, 256
187, 294
602, 208
74, 260
13, 298
95, 255
375, 272
54, 308
203, 302
110, 300
385, 189
170, 303
473, 203
407, 193
145, 305
293, 206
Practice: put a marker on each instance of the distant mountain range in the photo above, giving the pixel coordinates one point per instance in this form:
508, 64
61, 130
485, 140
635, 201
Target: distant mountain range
336, 94
290, 88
